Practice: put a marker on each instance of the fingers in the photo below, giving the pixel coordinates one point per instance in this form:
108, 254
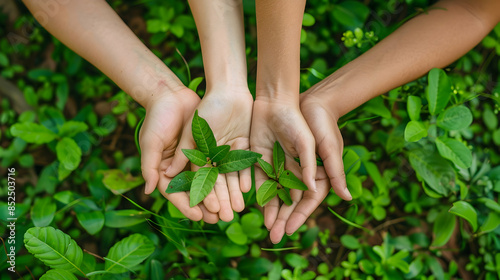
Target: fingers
180, 200
306, 149
306, 207
245, 180
225, 210
237, 202
278, 229
330, 150
208, 217
180, 160
151, 152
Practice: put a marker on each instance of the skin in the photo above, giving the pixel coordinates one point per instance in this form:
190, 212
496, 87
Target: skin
93, 30
221, 31
276, 113
430, 40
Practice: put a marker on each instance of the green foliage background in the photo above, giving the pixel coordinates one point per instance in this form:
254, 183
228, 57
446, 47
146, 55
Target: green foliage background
423, 162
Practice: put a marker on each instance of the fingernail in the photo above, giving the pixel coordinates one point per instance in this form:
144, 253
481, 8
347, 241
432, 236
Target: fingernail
347, 193
314, 187
289, 234
168, 169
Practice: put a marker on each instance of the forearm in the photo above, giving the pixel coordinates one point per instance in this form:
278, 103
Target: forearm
278, 43
430, 40
93, 30
221, 31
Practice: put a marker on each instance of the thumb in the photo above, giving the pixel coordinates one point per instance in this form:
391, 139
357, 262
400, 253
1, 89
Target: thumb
151, 152
179, 160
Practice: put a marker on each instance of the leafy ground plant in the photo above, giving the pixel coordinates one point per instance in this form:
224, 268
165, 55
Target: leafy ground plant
281, 180
212, 159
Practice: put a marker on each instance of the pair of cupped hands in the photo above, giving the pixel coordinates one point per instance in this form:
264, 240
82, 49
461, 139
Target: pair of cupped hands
305, 128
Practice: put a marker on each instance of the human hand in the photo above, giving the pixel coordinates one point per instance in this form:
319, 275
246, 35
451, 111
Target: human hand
282, 121
158, 138
228, 112
322, 121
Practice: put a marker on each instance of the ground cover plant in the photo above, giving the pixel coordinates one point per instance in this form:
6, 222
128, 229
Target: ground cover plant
421, 162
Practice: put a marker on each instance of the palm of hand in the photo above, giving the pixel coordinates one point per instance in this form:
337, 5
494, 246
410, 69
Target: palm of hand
158, 140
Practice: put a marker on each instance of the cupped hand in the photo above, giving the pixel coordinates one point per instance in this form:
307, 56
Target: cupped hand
228, 111
158, 139
281, 121
322, 121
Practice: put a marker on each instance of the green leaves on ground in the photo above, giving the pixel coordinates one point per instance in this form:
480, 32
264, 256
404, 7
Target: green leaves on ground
438, 91
68, 153
43, 211
415, 131
202, 185
455, 151
465, 210
219, 159
281, 180
444, 225
128, 253
54, 248
33, 133
455, 118
435, 171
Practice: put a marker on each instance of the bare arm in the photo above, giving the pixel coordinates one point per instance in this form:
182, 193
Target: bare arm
93, 30
434, 39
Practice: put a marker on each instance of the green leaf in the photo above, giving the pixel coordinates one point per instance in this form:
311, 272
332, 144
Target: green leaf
378, 107
195, 157
124, 218
278, 158
433, 169
237, 160
202, 134
443, 228
54, 248
414, 106
92, 222
43, 211
289, 180
350, 13
58, 274
349, 222
465, 210
72, 128
235, 233
351, 160
438, 90
455, 151
118, 182
267, 191
219, 153
284, 194
350, 241
455, 118
251, 224
354, 185
267, 168
193, 85
491, 223
308, 20
202, 185
414, 131
33, 133
232, 250
490, 118
181, 182
128, 252
68, 153
296, 261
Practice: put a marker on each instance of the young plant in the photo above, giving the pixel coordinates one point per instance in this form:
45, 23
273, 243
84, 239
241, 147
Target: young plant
212, 159
280, 181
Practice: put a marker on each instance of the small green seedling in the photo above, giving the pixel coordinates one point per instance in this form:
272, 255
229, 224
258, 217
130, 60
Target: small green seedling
280, 181
212, 159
